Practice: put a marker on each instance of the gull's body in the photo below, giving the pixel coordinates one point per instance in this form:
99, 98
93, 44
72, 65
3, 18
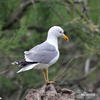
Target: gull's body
45, 54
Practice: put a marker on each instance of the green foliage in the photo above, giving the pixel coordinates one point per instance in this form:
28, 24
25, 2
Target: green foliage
7, 7
7, 86
82, 28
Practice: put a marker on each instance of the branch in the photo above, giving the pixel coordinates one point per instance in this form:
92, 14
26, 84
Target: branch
77, 81
18, 14
96, 85
64, 71
38, 29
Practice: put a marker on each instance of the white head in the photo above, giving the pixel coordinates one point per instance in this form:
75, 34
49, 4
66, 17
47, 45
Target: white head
57, 31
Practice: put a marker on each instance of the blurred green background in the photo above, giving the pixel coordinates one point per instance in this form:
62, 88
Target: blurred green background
25, 23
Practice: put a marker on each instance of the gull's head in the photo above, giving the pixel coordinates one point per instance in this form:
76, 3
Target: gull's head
57, 31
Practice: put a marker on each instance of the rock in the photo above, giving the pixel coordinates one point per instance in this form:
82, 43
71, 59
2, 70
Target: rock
49, 92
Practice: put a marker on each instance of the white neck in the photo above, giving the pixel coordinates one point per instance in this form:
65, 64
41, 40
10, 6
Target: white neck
52, 39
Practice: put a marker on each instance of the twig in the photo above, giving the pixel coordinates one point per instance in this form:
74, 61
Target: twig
19, 92
96, 85
77, 81
4, 72
62, 72
85, 10
18, 14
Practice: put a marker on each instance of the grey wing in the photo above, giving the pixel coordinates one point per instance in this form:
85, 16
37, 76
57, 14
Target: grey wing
43, 53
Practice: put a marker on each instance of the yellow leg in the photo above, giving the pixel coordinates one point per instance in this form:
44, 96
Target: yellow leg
48, 82
47, 74
43, 73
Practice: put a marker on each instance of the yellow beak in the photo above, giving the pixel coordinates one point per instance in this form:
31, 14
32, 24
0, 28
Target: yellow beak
65, 37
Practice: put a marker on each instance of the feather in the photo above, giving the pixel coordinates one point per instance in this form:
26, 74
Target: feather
28, 67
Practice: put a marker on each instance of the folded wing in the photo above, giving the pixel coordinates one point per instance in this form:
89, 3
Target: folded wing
42, 53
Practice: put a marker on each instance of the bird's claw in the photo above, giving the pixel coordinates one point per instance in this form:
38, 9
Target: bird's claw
50, 82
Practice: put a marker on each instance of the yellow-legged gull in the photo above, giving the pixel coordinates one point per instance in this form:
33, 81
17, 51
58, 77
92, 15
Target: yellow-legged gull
43, 55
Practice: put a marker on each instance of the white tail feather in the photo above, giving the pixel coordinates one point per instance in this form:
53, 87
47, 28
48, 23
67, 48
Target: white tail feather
15, 62
28, 67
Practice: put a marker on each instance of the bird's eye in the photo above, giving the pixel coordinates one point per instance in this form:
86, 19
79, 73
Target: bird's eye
60, 31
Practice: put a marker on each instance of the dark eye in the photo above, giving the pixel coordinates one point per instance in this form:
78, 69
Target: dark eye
60, 31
